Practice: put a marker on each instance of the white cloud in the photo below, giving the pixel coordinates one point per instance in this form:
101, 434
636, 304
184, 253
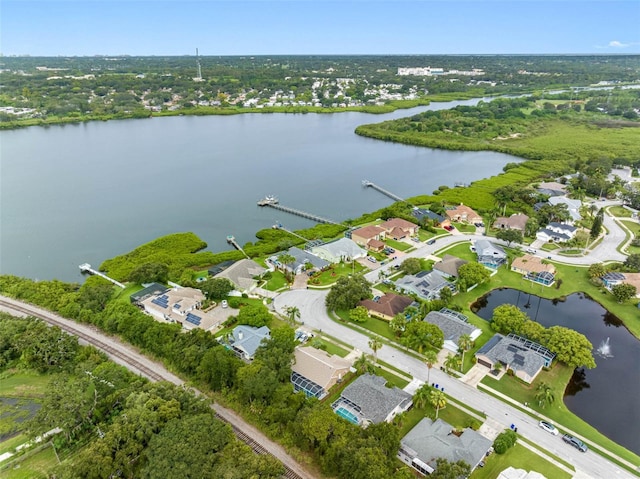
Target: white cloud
617, 44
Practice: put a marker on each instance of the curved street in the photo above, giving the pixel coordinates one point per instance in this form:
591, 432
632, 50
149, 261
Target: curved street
311, 304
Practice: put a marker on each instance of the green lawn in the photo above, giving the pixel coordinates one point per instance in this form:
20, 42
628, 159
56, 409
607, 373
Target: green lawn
10, 444
331, 275
36, 465
549, 247
332, 348
450, 414
461, 250
557, 378
124, 294
23, 384
399, 245
619, 212
464, 227
276, 281
521, 458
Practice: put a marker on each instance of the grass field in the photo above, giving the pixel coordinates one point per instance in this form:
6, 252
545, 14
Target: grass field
521, 458
34, 465
450, 414
619, 212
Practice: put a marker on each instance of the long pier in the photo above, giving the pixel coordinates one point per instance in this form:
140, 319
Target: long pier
232, 241
86, 268
273, 203
371, 184
278, 226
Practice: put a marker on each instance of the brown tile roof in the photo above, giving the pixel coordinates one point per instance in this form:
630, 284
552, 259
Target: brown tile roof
370, 231
462, 211
517, 221
532, 264
633, 279
389, 305
392, 223
319, 366
375, 244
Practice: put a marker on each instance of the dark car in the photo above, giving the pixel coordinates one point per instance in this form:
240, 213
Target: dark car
431, 241
575, 442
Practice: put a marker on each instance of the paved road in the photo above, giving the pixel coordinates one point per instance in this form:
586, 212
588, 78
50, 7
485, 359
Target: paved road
605, 251
313, 313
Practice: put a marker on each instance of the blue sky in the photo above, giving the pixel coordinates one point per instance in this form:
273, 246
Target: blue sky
216, 27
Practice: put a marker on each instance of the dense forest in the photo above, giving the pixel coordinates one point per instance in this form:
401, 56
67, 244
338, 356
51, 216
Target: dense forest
56, 89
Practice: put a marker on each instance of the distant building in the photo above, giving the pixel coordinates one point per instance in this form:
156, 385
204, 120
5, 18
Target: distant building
302, 260
513, 473
423, 215
429, 440
552, 188
368, 400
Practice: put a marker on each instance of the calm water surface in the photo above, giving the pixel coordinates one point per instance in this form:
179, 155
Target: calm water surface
607, 396
84, 193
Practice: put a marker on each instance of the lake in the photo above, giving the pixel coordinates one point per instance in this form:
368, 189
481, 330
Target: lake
86, 192
606, 396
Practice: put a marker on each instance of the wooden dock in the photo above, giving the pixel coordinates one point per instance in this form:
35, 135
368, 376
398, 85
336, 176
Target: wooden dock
371, 184
267, 201
86, 268
232, 241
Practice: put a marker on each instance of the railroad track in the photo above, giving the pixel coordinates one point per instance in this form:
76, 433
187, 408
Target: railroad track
140, 367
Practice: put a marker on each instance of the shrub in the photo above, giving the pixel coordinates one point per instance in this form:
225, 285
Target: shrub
504, 441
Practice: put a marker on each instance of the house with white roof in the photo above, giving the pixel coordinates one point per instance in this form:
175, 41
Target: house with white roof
343, 249
573, 206
302, 260
558, 232
243, 274
489, 254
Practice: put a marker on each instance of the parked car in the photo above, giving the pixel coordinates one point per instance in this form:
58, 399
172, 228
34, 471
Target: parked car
376, 298
391, 250
417, 240
547, 426
224, 303
431, 241
575, 442
531, 250
372, 259
448, 228
387, 281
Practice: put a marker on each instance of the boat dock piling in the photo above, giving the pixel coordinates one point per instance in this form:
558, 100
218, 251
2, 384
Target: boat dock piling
273, 203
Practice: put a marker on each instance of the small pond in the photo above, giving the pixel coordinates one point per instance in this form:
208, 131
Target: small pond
605, 397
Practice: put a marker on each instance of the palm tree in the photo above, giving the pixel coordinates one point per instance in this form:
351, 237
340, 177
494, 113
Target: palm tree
286, 259
362, 365
293, 313
422, 396
411, 312
544, 395
430, 359
452, 362
464, 343
375, 345
397, 324
438, 400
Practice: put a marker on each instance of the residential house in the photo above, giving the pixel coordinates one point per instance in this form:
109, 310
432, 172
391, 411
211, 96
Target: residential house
368, 400
558, 232
397, 228
181, 306
154, 289
370, 237
302, 261
452, 327
614, 278
243, 274
489, 254
573, 206
552, 188
387, 306
526, 358
314, 371
424, 215
449, 265
535, 269
429, 440
220, 267
343, 249
514, 222
245, 340
463, 214
426, 285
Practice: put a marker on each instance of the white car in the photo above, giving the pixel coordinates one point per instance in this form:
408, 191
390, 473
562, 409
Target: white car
224, 303
547, 426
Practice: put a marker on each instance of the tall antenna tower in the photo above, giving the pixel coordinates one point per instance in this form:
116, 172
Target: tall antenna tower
199, 76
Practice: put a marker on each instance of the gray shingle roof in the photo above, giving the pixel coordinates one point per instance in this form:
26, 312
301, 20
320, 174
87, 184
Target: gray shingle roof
513, 354
248, 338
426, 284
434, 439
451, 327
376, 401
